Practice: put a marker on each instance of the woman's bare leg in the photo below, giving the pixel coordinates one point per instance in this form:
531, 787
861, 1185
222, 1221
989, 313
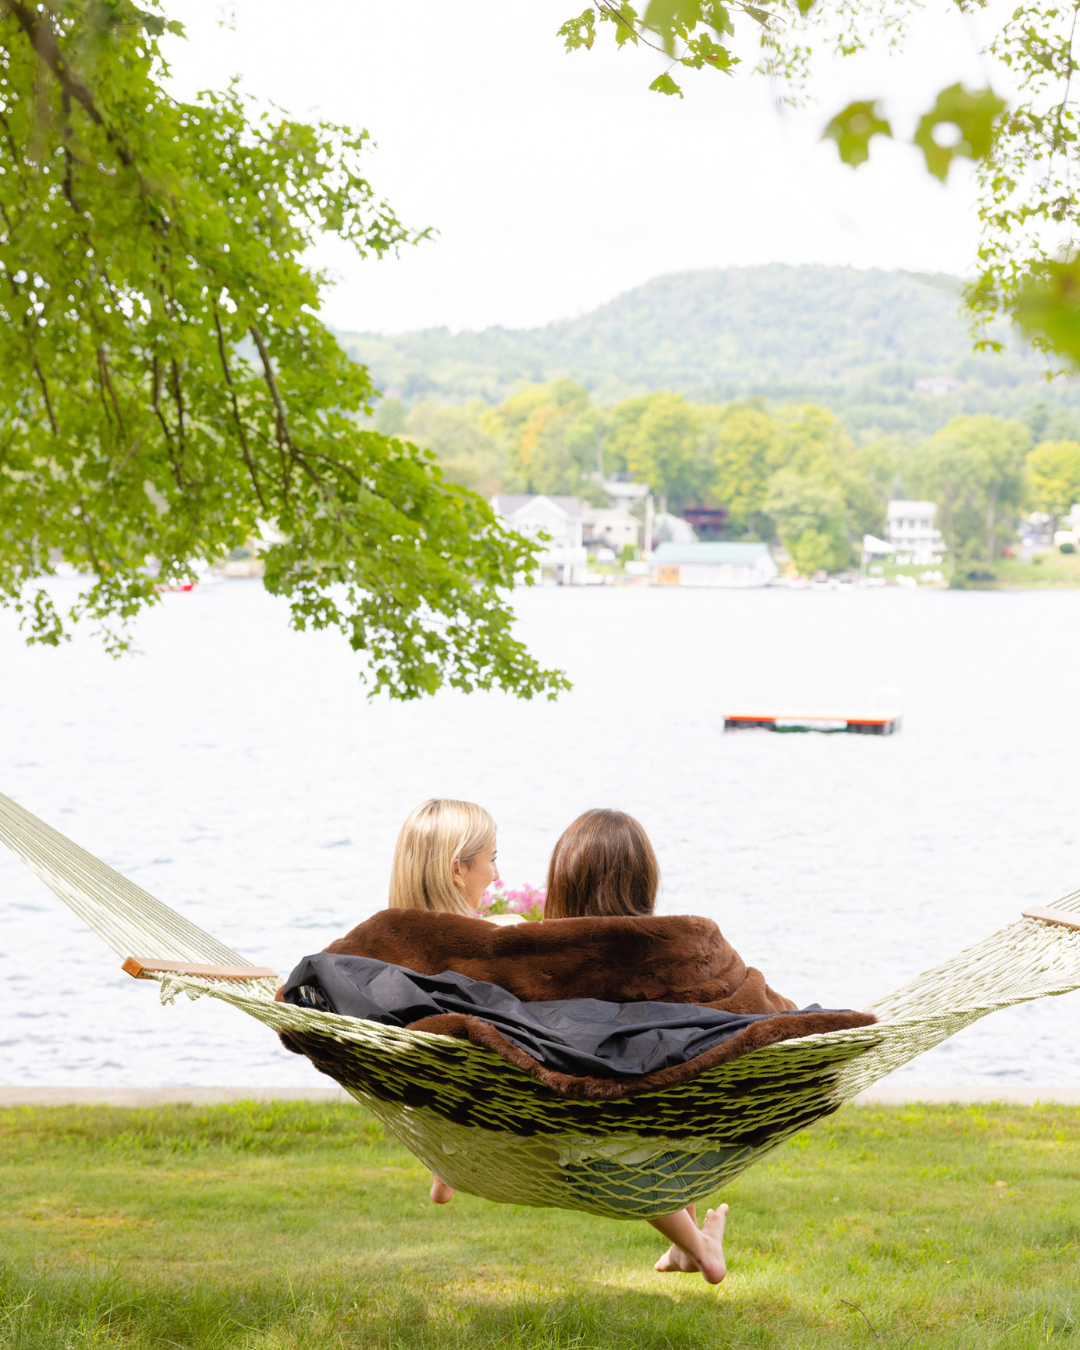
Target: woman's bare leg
440, 1191
702, 1248
675, 1260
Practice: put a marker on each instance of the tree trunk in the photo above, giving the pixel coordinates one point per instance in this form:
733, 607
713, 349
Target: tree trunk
991, 510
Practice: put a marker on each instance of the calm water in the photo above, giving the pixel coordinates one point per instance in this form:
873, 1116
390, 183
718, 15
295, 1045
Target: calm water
236, 771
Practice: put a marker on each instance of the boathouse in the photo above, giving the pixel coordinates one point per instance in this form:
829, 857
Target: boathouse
713, 564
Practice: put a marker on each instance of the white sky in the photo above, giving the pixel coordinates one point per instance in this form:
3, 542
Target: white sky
557, 181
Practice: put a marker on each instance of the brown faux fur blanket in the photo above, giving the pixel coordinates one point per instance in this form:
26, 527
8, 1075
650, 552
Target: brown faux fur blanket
667, 959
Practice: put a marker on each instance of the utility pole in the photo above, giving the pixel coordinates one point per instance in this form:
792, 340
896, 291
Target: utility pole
646, 543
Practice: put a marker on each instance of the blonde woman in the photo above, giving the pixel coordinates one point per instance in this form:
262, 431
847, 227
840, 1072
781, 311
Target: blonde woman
444, 860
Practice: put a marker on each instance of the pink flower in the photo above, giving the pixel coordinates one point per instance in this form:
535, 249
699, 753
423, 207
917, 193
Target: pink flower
528, 901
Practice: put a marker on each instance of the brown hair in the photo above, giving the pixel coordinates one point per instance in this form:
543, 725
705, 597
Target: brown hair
604, 865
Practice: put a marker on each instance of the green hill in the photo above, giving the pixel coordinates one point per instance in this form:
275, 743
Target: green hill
854, 340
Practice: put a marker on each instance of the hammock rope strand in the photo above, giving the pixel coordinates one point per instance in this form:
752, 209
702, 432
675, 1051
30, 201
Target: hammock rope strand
125, 917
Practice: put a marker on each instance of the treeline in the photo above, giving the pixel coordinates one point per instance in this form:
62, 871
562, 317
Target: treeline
791, 473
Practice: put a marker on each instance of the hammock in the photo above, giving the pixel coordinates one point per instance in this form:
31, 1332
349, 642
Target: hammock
488, 1129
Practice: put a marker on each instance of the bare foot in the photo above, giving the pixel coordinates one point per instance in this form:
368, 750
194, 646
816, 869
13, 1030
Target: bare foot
441, 1193
676, 1261
710, 1260
693, 1248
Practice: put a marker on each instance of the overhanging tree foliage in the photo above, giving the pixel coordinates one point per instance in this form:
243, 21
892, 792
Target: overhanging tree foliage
167, 390
1028, 261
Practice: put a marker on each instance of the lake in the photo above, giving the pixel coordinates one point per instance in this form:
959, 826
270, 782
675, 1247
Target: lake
236, 770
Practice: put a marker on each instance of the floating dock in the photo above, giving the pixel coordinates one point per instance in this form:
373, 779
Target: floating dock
857, 724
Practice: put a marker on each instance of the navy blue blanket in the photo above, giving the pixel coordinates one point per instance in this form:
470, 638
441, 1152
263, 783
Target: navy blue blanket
583, 1037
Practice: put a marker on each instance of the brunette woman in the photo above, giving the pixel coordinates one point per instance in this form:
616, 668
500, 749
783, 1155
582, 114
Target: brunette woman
604, 866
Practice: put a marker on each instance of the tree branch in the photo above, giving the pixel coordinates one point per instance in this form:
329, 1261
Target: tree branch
43, 39
272, 385
284, 437
107, 386
156, 378
45, 394
236, 410
178, 398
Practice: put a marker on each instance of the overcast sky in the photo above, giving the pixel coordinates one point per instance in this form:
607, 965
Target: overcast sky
557, 181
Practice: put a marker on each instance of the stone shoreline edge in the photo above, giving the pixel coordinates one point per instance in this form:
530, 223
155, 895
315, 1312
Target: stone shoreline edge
899, 1095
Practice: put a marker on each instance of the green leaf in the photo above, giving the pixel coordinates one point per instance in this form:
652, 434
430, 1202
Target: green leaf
703, 51
579, 32
664, 84
719, 20
669, 19
1048, 307
852, 129
973, 115
625, 19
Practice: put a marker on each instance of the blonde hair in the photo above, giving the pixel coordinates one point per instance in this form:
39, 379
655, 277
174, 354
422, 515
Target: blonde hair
434, 835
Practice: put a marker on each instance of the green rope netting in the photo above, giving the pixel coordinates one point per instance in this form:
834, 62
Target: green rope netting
488, 1128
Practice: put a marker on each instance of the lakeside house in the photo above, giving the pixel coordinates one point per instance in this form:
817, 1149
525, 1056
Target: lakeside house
610, 527
713, 564
938, 384
561, 519
1068, 530
669, 529
910, 529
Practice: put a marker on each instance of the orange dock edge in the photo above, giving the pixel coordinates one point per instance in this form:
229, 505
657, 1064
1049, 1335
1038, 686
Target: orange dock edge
861, 723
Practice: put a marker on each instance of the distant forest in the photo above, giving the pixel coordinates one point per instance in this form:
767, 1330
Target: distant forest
791, 473
851, 341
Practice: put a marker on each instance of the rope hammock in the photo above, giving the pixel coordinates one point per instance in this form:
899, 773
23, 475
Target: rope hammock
489, 1129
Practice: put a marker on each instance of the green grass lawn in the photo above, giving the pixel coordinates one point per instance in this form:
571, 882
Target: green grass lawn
296, 1226
1049, 569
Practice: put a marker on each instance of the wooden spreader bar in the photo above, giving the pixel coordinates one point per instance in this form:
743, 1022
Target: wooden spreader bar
1058, 916
146, 967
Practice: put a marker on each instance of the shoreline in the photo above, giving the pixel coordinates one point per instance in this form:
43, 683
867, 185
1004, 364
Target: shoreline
899, 1095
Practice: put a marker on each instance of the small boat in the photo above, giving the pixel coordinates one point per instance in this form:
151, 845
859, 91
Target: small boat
855, 723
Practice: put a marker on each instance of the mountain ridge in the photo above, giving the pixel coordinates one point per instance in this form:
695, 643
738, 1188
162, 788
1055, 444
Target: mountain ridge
853, 339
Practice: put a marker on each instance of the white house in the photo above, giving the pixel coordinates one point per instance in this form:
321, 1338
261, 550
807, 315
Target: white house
938, 384
669, 529
610, 527
625, 492
910, 529
713, 564
561, 519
